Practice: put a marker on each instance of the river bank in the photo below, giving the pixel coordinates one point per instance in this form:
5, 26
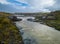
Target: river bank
9, 33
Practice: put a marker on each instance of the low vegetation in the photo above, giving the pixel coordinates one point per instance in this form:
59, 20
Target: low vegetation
9, 34
5, 14
55, 23
51, 22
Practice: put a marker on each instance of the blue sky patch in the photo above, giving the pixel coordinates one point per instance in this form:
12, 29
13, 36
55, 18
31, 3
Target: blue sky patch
18, 3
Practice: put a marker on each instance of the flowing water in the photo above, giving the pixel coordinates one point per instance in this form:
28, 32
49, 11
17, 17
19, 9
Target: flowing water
36, 33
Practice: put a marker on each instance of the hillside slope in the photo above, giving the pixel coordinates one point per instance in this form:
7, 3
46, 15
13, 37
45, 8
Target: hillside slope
54, 23
9, 34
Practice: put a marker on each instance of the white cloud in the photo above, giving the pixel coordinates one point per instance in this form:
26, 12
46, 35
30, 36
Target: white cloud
4, 2
37, 5
34, 5
45, 10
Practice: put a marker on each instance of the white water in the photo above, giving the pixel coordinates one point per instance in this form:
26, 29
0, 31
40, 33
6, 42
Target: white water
35, 33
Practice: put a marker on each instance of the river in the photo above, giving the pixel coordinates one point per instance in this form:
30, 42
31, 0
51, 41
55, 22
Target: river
36, 33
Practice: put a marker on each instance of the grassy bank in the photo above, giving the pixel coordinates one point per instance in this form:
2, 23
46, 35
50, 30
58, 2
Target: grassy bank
54, 23
51, 22
9, 34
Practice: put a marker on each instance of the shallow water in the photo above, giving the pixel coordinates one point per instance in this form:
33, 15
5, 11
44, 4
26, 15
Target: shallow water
35, 33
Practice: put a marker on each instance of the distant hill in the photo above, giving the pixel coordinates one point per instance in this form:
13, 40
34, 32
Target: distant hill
31, 14
25, 14
5, 14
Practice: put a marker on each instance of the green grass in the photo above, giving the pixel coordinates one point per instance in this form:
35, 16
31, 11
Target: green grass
53, 23
8, 32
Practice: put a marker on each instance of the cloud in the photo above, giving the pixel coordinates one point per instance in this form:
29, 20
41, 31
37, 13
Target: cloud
7, 8
4, 2
37, 5
31, 5
23, 1
55, 6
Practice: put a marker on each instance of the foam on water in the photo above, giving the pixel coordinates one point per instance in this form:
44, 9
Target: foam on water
35, 33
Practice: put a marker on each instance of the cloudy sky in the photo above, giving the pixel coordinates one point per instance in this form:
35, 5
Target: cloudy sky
29, 5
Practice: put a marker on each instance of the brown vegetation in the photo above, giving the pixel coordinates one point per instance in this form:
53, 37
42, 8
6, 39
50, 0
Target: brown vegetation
9, 34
